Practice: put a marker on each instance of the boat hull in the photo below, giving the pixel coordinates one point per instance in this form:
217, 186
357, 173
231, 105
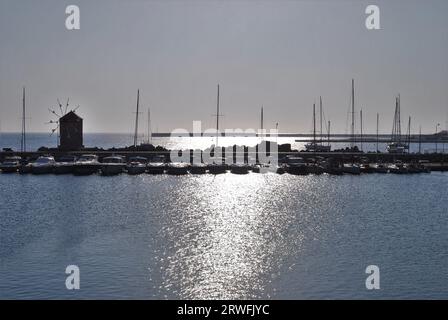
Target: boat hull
85, 169
198, 169
177, 170
63, 169
351, 170
239, 169
111, 169
217, 168
155, 168
135, 170
45, 169
9, 169
297, 170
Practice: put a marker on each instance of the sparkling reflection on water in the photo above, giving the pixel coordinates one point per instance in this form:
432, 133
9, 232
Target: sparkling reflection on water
228, 234
225, 236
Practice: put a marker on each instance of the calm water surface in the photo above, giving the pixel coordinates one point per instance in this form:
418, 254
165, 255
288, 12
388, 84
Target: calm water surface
229, 236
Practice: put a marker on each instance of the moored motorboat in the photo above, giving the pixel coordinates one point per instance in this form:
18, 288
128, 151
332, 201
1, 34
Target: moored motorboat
43, 165
86, 165
239, 168
217, 168
157, 165
423, 165
177, 168
314, 168
351, 168
198, 168
25, 168
366, 168
380, 168
136, 165
65, 165
112, 165
296, 166
10, 164
398, 168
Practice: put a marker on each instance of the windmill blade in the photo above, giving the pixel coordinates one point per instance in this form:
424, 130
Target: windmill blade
54, 130
75, 108
54, 112
66, 107
60, 106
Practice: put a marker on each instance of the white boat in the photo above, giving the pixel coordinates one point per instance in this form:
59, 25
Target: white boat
398, 168
43, 165
112, 165
380, 168
86, 164
65, 165
157, 165
177, 168
10, 164
351, 168
136, 165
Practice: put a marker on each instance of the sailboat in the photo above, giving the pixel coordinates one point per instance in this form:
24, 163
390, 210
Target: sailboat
396, 145
219, 167
352, 168
315, 146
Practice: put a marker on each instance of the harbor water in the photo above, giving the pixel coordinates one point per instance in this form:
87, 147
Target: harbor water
226, 236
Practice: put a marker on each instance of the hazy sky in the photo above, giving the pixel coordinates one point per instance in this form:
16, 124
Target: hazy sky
280, 54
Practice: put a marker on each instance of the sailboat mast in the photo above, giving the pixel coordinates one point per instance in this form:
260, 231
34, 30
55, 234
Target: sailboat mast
420, 140
261, 121
23, 140
320, 118
149, 126
377, 128
217, 117
136, 119
353, 114
314, 125
409, 134
360, 116
399, 118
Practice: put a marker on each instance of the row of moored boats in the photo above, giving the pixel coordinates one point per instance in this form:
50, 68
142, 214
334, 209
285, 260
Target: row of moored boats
113, 165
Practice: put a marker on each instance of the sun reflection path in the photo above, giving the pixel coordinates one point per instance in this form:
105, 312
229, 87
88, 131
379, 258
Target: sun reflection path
229, 235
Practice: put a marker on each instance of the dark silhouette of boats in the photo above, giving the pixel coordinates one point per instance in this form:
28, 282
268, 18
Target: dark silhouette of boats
136, 165
86, 165
11, 164
295, 165
380, 168
177, 168
157, 165
65, 165
217, 168
43, 165
315, 146
112, 165
197, 168
239, 168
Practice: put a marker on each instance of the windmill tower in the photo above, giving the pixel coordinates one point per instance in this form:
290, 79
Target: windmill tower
68, 126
